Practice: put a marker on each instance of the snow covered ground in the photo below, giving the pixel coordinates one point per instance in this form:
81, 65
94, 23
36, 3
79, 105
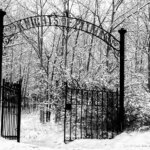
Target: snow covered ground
37, 136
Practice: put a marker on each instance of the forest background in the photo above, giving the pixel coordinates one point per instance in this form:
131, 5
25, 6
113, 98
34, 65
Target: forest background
46, 57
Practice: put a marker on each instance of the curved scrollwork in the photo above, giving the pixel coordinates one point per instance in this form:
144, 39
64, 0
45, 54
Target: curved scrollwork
9, 39
115, 43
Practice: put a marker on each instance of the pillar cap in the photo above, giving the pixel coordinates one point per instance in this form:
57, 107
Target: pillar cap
122, 30
2, 12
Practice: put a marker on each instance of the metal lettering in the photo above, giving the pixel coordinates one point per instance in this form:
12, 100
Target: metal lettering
44, 21
95, 30
87, 27
27, 23
55, 20
92, 28
76, 24
20, 25
32, 22
49, 19
81, 25
69, 21
106, 36
37, 22
64, 21
101, 34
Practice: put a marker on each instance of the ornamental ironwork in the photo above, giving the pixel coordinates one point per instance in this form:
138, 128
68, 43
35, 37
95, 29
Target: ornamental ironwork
60, 21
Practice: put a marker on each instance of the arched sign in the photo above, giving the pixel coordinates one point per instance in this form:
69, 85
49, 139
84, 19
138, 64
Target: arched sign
12, 29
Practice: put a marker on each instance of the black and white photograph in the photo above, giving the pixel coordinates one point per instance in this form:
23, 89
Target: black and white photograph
74, 74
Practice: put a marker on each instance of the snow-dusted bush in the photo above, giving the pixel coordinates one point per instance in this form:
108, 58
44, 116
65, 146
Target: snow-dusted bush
137, 106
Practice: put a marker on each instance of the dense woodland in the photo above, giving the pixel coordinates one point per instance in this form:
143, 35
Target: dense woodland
46, 57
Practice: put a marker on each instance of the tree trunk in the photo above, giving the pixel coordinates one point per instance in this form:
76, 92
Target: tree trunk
73, 55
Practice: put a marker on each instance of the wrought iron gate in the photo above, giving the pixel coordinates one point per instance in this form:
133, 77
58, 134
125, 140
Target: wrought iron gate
90, 114
80, 110
11, 110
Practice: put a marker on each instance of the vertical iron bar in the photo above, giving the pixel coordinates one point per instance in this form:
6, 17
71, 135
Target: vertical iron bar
2, 115
107, 112
71, 115
112, 115
66, 92
6, 107
117, 112
102, 112
16, 109
12, 117
76, 116
12, 114
9, 116
81, 111
122, 77
91, 114
97, 117
7, 113
86, 112
19, 112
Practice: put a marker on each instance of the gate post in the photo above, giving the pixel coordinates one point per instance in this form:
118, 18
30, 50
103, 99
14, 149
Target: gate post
19, 111
2, 14
122, 32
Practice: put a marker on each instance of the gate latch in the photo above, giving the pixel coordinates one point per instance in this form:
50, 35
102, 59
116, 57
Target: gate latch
68, 107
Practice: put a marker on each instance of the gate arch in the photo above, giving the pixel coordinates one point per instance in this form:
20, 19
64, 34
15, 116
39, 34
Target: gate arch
12, 29
9, 32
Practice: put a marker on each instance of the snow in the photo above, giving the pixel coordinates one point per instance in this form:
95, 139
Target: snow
37, 136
